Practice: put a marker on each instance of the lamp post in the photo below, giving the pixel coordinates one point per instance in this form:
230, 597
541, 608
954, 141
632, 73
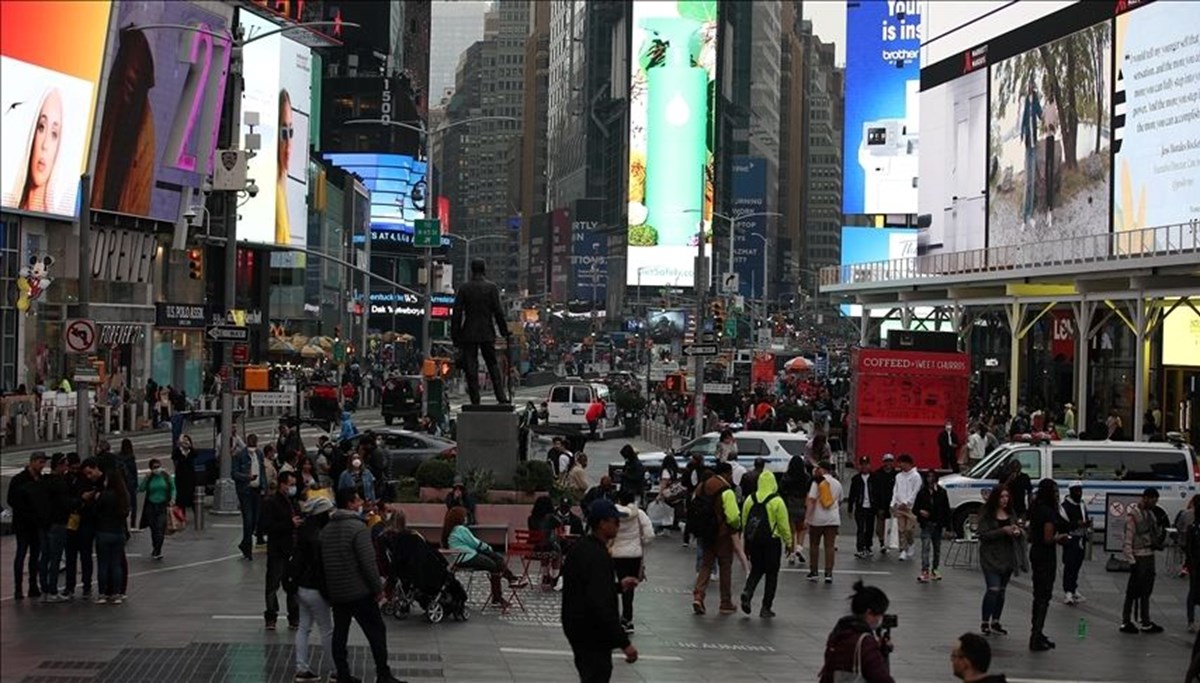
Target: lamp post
468, 241
733, 227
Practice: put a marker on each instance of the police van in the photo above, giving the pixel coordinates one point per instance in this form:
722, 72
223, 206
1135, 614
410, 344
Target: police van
1102, 466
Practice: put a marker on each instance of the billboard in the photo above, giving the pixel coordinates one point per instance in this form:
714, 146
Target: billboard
749, 244
1048, 175
1157, 129
953, 164
589, 252
871, 246
278, 78
51, 55
162, 103
1181, 337
671, 109
398, 186
883, 78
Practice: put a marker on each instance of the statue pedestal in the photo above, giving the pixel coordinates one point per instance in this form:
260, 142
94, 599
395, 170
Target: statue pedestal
488, 439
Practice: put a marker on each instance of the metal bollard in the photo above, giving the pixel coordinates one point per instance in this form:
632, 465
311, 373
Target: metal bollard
198, 512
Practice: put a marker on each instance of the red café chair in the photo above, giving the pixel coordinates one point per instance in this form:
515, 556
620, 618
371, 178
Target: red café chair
526, 548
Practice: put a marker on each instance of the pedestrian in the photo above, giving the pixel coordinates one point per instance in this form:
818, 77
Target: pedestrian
459, 496
884, 482
353, 585
714, 519
855, 644
1142, 537
560, 458
1079, 525
823, 518
575, 483
949, 445
589, 613
82, 540
25, 497
971, 658
160, 490
183, 457
280, 517
1189, 534
1020, 486
692, 475
904, 496
1046, 534
766, 531
306, 575
475, 554
1001, 554
57, 491
249, 475
977, 444
862, 507
932, 508
628, 549
633, 474
794, 489
127, 466
112, 514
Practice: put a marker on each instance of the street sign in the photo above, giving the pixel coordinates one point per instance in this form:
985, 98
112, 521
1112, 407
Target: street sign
86, 372
731, 328
700, 350
729, 284
241, 353
79, 336
708, 338
718, 388
272, 399
226, 333
339, 352
427, 232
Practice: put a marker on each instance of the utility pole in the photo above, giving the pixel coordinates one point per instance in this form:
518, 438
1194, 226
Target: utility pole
700, 277
83, 405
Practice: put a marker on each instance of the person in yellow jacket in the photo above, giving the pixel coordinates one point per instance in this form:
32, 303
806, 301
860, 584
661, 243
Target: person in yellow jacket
767, 531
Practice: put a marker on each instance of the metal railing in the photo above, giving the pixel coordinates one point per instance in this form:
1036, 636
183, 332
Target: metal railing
1091, 250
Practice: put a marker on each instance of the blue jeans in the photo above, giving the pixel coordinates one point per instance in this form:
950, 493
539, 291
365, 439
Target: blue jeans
79, 545
248, 502
313, 610
1030, 180
110, 550
52, 552
993, 598
931, 534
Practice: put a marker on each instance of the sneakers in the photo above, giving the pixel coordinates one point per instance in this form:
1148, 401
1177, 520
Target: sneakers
116, 599
726, 609
1151, 627
998, 629
828, 577
746, 604
101, 599
766, 613
923, 577
67, 596
156, 556
1129, 627
305, 676
903, 556
293, 625
812, 576
985, 628
937, 575
698, 607
627, 626
1069, 599
791, 559
270, 625
1079, 597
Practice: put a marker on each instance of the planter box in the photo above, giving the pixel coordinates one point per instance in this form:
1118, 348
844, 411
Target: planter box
429, 494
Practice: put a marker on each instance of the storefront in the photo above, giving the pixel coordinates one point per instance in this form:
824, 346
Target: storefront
177, 346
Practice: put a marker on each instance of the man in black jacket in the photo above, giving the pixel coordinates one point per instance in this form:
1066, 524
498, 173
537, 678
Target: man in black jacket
24, 492
862, 506
280, 517
633, 475
590, 617
476, 308
932, 508
57, 492
883, 483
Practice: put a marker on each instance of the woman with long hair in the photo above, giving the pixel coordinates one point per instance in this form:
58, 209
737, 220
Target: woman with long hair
125, 152
794, 490
1000, 556
36, 175
283, 231
1046, 533
183, 457
476, 554
855, 644
127, 469
112, 511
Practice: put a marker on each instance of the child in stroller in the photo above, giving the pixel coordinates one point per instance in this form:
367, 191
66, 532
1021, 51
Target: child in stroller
416, 572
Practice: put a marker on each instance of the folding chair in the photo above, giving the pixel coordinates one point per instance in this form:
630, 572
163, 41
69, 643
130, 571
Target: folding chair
525, 547
964, 552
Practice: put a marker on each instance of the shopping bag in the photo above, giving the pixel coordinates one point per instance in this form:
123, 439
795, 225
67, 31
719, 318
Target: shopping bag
660, 514
176, 519
892, 533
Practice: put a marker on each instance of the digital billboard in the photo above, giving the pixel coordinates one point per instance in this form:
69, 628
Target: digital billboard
51, 54
883, 78
589, 252
165, 90
278, 83
1181, 337
398, 187
749, 243
1048, 146
671, 108
1156, 149
953, 164
871, 246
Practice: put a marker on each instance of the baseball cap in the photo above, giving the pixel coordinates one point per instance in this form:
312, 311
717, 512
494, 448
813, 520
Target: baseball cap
1075, 485
317, 505
37, 455
888, 456
866, 459
600, 510
58, 459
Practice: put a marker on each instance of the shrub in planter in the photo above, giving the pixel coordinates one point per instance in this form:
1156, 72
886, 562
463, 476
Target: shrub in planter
478, 482
533, 475
436, 473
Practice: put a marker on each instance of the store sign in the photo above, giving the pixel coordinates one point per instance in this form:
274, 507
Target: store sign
179, 315
122, 255
118, 334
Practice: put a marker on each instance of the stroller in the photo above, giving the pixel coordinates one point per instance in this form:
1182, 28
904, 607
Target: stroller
419, 574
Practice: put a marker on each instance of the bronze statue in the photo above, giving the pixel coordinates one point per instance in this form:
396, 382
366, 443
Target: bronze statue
477, 314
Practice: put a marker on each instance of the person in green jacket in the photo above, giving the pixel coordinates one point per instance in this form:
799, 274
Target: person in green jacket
159, 488
476, 554
767, 531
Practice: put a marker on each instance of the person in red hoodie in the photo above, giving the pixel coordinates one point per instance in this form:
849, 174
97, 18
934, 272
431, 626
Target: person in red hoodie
594, 413
855, 644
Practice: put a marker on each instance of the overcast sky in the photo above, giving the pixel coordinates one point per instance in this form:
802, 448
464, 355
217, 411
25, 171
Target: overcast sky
828, 18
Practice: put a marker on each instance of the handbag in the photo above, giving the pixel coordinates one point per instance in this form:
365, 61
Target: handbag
176, 519
854, 676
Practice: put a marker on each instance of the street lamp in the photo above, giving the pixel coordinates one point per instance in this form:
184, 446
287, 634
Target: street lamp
733, 226
468, 241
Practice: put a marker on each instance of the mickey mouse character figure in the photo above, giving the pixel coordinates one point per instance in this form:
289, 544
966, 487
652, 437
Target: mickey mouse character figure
32, 281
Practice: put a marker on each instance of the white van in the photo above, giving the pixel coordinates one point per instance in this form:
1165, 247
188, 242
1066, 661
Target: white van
1103, 467
567, 404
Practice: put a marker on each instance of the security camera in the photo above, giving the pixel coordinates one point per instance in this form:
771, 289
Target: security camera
189, 214
252, 189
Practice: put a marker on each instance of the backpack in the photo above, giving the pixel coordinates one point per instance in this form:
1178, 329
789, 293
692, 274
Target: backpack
1161, 523
758, 523
702, 520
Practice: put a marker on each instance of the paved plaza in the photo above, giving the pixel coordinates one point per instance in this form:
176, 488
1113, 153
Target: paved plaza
197, 616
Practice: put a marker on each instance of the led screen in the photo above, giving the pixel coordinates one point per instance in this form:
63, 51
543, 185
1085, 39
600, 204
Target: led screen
1181, 337
50, 60
397, 184
673, 71
872, 246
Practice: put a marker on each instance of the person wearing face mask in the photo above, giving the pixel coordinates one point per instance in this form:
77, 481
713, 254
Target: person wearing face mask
159, 489
249, 476
280, 517
855, 645
358, 478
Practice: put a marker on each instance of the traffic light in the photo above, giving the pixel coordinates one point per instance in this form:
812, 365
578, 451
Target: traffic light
195, 264
718, 316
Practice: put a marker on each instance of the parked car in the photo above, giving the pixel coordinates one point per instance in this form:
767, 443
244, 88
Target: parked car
777, 448
403, 450
401, 399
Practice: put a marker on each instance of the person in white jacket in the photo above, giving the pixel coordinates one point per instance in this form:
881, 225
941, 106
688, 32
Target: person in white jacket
904, 494
628, 547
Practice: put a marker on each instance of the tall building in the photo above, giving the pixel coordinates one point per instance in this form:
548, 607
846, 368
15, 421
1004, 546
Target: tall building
535, 272
455, 25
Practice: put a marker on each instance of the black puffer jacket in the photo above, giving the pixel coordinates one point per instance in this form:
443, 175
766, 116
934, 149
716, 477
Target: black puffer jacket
305, 568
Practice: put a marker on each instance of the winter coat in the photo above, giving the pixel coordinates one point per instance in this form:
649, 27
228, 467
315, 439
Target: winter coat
937, 503
777, 513
842, 645
348, 559
634, 532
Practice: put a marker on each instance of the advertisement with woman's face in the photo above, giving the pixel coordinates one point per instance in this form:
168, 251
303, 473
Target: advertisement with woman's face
47, 95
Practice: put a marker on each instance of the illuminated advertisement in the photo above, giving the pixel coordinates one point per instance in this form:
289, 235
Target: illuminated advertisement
883, 79
166, 86
1181, 337
671, 107
869, 248
589, 252
51, 54
953, 164
398, 185
278, 80
1157, 142
749, 244
1048, 147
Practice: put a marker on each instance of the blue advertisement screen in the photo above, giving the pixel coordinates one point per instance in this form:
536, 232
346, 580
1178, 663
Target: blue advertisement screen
872, 246
883, 78
749, 243
391, 178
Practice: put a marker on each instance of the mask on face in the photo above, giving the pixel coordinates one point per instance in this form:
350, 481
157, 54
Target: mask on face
291, 491
356, 463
